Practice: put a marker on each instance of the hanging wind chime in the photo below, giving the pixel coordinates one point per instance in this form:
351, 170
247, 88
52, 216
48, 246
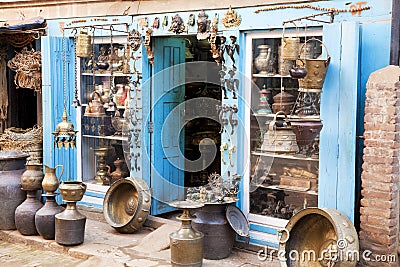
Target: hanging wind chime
65, 134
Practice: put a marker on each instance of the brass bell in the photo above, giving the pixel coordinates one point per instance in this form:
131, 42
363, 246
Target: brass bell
83, 44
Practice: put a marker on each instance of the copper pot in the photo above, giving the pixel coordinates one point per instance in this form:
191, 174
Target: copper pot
32, 178
95, 107
306, 130
283, 102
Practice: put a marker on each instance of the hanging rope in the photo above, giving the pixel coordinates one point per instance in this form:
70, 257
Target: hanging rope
3, 87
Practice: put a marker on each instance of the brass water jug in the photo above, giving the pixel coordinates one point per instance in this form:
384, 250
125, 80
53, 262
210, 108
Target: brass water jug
50, 181
83, 44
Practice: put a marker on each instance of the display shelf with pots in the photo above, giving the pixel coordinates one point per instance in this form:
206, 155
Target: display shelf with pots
104, 87
283, 173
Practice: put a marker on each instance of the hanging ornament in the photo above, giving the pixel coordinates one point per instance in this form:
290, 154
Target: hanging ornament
65, 134
231, 18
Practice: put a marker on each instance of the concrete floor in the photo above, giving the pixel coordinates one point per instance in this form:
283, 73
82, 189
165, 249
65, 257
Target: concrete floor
103, 246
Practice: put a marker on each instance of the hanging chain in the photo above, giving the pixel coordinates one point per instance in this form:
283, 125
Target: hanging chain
112, 85
64, 59
93, 62
76, 103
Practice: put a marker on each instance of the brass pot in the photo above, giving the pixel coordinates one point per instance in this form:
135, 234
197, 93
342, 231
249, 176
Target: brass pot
127, 204
72, 190
32, 178
327, 230
280, 139
316, 71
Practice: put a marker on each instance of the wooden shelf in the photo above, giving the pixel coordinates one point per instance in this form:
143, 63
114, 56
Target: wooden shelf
112, 137
293, 189
257, 75
272, 115
283, 156
105, 74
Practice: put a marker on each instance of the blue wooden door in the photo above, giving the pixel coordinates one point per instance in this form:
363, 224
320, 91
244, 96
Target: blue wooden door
168, 91
52, 101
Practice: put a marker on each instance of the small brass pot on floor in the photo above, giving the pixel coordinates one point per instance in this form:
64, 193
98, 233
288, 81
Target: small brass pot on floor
70, 224
186, 243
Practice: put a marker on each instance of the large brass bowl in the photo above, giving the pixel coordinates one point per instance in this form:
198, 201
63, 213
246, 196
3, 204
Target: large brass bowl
320, 238
127, 204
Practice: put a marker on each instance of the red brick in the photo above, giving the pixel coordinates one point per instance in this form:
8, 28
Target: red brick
378, 203
373, 193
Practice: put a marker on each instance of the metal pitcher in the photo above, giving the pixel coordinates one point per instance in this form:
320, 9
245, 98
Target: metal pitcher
316, 71
51, 181
95, 107
280, 139
83, 44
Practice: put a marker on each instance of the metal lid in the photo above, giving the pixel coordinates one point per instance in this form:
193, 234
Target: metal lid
237, 220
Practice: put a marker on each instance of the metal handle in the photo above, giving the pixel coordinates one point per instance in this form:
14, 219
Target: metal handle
62, 171
315, 39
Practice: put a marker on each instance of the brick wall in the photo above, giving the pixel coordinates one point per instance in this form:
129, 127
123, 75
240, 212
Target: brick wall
379, 228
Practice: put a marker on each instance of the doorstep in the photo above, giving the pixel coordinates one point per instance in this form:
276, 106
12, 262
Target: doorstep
104, 246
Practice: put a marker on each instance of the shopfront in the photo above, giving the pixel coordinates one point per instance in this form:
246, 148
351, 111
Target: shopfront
213, 82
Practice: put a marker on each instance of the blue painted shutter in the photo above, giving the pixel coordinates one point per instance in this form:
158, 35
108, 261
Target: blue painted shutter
339, 115
53, 99
167, 173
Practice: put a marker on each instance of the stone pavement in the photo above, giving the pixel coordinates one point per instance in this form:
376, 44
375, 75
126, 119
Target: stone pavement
103, 246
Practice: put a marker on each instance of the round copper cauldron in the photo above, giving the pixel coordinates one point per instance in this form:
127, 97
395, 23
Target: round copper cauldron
331, 239
127, 204
306, 130
12, 165
219, 236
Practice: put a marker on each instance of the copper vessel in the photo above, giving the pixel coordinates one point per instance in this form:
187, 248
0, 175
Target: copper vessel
316, 71
12, 165
306, 130
127, 204
45, 217
219, 236
119, 173
32, 177
279, 138
283, 102
25, 214
70, 224
330, 235
186, 243
83, 44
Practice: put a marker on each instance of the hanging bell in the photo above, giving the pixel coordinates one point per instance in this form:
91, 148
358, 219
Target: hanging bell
83, 44
65, 134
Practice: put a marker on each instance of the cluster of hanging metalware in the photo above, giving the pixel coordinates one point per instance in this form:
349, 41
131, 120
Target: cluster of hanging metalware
301, 116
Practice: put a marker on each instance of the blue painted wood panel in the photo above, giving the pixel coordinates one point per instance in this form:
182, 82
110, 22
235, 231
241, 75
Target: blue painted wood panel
167, 174
52, 101
339, 115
